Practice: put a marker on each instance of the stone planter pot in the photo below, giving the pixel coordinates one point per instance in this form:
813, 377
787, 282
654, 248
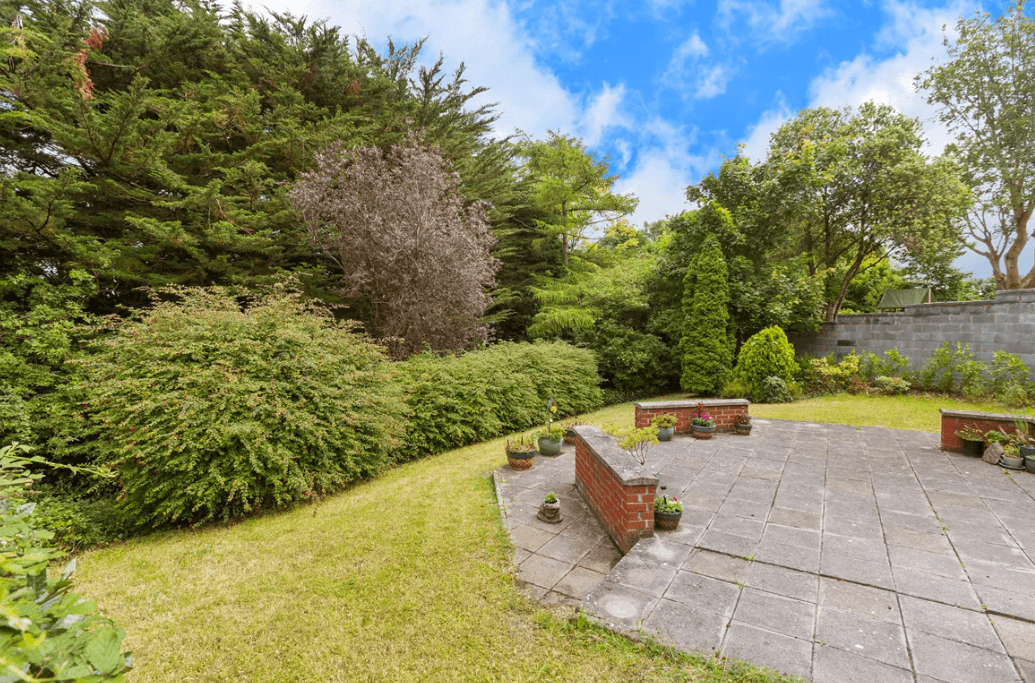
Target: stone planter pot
521, 460
549, 447
666, 433
973, 449
742, 429
1029, 464
667, 520
702, 432
550, 513
569, 437
1011, 461
1027, 451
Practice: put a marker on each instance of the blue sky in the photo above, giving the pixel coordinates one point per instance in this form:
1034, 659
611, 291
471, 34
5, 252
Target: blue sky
666, 88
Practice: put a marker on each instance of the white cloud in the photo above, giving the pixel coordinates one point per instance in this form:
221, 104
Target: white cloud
603, 112
771, 22
918, 33
664, 167
756, 145
687, 73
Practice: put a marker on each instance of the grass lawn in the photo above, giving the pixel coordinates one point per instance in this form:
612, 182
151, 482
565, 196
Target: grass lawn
918, 413
405, 578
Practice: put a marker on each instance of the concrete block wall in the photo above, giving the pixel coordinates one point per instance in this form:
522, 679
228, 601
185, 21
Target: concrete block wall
955, 420
618, 490
724, 410
1007, 324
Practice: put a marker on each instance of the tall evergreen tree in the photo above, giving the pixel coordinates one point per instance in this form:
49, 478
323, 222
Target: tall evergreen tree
705, 349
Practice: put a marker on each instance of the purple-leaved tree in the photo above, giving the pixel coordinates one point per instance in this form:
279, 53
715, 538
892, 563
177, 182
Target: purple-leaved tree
408, 245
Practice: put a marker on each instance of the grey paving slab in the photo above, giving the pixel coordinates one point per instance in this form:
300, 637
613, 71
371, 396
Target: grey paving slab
878, 640
779, 652
788, 616
956, 662
831, 553
830, 665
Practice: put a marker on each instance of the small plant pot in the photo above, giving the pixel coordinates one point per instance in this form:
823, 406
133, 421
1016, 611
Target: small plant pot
667, 520
1029, 463
521, 460
1027, 451
1016, 462
549, 447
973, 449
742, 429
666, 433
702, 432
569, 437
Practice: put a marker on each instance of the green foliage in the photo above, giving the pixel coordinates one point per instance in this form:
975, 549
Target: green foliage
552, 433
735, 388
1005, 372
49, 633
766, 354
550, 498
946, 370
210, 410
632, 362
997, 436
773, 389
458, 400
705, 347
522, 444
79, 522
1017, 396
667, 504
665, 421
636, 442
894, 364
891, 386
835, 376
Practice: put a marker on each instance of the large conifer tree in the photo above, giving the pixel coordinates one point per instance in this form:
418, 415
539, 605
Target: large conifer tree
705, 348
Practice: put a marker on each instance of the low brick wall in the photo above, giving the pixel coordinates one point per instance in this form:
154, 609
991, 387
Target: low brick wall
724, 410
955, 420
619, 491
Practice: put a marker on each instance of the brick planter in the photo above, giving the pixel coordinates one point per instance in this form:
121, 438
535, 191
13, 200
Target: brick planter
724, 410
618, 490
955, 420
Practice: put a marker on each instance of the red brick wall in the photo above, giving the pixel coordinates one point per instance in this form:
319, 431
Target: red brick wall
627, 512
952, 424
724, 415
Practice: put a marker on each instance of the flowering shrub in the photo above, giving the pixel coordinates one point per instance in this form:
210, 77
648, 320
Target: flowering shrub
667, 504
701, 418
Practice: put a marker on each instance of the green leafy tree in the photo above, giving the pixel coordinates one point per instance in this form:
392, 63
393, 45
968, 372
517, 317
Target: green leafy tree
766, 354
987, 97
572, 187
856, 189
706, 346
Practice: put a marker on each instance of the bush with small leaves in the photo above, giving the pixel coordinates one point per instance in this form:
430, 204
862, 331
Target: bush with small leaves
774, 390
766, 354
210, 410
891, 386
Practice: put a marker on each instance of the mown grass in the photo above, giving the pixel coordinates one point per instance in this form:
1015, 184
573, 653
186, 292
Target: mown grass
404, 578
915, 412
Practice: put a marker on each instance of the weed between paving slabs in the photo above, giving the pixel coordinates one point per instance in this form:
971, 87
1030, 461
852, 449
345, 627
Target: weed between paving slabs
823, 551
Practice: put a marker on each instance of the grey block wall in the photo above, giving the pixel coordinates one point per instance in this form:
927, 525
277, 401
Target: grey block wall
1006, 324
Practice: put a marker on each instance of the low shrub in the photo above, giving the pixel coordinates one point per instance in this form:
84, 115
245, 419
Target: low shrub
79, 523
766, 354
49, 632
834, 376
735, 389
209, 409
948, 371
891, 386
458, 400
1006, 372
774, 390
894, 364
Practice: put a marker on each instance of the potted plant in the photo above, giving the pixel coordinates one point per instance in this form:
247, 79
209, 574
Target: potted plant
1025, 444
742, 424
666, 426
521, 453
550, 510
1012, 457
569, 430
973, 441
667, 512
701, 424
550, 440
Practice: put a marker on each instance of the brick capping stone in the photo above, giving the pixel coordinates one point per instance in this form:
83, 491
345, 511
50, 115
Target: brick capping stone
619, 491
724, 410
955, 420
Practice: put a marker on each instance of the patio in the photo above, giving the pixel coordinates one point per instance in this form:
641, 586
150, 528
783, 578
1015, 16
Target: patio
824, 551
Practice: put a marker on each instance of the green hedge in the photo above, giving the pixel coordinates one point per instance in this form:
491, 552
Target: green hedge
458, 400
210, 410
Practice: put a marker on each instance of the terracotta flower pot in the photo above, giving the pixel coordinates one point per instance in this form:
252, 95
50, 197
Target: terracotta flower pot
702, 432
